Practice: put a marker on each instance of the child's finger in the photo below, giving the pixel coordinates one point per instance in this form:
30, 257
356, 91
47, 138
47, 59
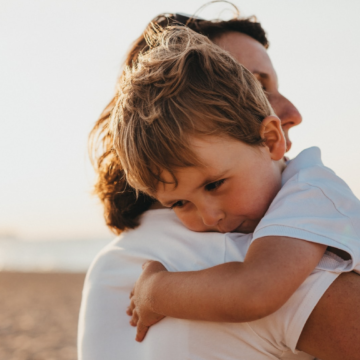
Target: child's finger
146, 263
132, 305
129, 311
134, 319
131, 293
141, 331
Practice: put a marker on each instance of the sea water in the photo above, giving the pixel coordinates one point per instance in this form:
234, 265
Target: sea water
54, 255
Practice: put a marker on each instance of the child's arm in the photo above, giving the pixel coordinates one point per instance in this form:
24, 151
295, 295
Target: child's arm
273, 269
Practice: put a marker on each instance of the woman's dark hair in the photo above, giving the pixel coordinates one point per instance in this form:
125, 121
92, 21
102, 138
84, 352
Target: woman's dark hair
122, 206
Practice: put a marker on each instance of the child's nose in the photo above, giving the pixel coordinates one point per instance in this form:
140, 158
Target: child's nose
211, 217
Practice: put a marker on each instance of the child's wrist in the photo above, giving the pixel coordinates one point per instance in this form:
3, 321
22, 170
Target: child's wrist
156, 289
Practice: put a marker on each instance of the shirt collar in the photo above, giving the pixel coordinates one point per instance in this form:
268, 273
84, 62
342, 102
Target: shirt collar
307, 158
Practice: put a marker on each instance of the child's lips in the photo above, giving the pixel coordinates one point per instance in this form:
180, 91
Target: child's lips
225, 228
239, 228
231, 228
247, 226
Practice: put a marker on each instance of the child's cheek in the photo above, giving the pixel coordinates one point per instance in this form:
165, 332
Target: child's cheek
191, 220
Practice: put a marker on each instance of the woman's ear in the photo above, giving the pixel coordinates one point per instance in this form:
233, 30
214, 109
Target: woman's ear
273, 136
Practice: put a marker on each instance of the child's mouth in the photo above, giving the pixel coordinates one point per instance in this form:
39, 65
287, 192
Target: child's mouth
247, 226
239, 228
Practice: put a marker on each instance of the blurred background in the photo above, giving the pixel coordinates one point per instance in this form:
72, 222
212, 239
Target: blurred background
59, 64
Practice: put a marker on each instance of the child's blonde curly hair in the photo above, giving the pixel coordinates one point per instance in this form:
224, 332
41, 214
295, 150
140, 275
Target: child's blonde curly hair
183, 86
122, 204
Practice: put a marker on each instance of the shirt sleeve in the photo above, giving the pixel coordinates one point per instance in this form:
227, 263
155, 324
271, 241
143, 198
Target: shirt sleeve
304, 211
283, 328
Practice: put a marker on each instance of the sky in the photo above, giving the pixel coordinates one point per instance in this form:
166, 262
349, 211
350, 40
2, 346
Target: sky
59, 64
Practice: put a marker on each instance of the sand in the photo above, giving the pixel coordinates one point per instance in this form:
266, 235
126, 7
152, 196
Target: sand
38, 315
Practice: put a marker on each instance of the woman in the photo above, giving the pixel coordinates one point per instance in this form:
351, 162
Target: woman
307, 322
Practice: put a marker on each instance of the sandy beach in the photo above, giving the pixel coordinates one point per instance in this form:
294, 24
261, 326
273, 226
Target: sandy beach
39, 314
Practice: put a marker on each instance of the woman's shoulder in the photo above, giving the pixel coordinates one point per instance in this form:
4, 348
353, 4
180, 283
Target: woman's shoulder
132, 246
160, 236
153, 223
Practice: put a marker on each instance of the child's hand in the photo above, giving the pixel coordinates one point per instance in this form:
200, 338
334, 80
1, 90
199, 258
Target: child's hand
140, 309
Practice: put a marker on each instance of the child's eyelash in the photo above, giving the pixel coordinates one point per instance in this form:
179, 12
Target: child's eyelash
214, 185
209, 187
179, 203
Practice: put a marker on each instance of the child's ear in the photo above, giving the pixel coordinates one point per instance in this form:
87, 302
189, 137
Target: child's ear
273, 136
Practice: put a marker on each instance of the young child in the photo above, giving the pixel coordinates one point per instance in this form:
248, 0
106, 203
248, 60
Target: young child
193, 128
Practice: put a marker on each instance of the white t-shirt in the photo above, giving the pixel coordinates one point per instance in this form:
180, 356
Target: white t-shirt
104, 330
314, 204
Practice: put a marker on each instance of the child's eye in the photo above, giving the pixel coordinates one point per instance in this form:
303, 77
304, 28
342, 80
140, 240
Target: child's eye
214, 185
178, 204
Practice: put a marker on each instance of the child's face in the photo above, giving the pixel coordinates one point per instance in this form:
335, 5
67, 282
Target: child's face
231, 192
